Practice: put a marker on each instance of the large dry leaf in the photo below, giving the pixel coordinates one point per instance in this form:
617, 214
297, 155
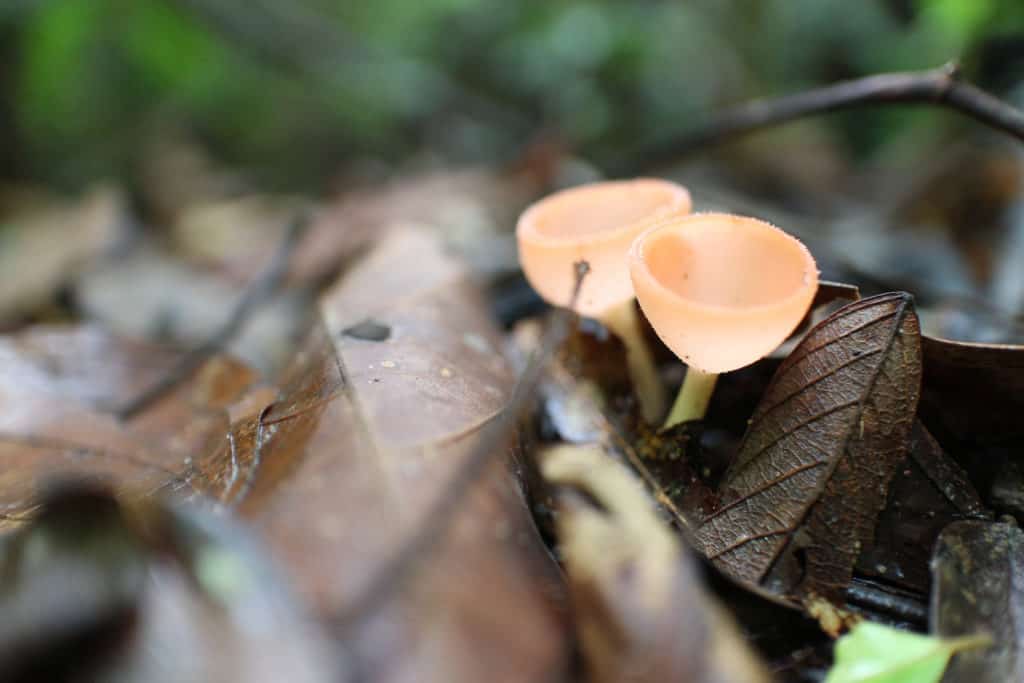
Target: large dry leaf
814, 468
93, 590
979, 588
383, 408
57, 391
641, 612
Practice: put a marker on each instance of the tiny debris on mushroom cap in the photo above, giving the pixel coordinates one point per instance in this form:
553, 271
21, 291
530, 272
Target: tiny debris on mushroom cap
722, 291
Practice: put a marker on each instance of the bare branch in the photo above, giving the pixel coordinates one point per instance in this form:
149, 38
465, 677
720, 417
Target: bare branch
940, 87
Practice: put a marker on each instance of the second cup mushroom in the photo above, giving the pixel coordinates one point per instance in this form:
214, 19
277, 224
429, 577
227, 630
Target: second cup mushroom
721, 291
597, 223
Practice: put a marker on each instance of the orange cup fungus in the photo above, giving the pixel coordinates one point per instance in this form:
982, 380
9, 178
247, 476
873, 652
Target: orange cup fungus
721, 291
597, 223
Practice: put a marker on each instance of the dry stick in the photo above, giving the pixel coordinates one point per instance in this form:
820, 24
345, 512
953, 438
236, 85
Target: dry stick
489, 442
261, 289
939, 87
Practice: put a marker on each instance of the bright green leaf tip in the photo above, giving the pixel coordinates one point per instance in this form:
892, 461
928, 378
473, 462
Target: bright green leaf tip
872, 653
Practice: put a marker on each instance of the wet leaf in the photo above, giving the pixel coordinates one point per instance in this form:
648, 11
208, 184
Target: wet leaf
814, 468
973, 391
928, 492
364, 440
56, 393
872, 653
96, 590
979, 587
641, 612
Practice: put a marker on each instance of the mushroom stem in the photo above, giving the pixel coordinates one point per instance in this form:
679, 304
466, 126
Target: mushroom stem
693, 398
623, 321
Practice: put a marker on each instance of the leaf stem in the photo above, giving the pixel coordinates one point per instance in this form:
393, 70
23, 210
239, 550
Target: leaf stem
971, 641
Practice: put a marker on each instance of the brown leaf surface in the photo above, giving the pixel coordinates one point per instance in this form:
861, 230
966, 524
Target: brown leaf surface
813, 470
974, 391
96, 590
56, 390
339, 473
929, 492
641, 612
826, 300
979, 587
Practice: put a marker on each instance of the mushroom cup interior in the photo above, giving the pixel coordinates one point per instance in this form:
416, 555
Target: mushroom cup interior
716, 262
721, 290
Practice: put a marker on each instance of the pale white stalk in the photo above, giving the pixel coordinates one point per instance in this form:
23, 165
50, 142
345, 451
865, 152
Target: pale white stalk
693, 398
623, 321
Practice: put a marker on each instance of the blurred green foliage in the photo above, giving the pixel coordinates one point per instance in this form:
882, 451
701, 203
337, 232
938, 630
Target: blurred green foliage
295, 87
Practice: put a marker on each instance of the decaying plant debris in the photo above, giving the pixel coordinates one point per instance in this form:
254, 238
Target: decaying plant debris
361, 501
804, 491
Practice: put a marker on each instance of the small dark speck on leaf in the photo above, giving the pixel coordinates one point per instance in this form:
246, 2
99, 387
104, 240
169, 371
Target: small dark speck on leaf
368, 330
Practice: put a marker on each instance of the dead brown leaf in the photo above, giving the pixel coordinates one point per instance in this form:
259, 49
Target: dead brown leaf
93, 589
640, 611
929, 492
813, 470
361, 446
974, 391
56, 394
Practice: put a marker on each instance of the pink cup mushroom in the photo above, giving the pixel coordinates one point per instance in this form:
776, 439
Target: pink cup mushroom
721, 291
597, 223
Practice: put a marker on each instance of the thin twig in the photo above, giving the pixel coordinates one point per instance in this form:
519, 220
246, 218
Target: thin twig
265, 285
940, 87
488, 444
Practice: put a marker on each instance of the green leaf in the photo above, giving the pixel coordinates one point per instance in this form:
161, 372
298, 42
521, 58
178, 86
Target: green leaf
872, 653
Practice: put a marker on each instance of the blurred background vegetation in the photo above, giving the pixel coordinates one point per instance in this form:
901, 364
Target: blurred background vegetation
293, 90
